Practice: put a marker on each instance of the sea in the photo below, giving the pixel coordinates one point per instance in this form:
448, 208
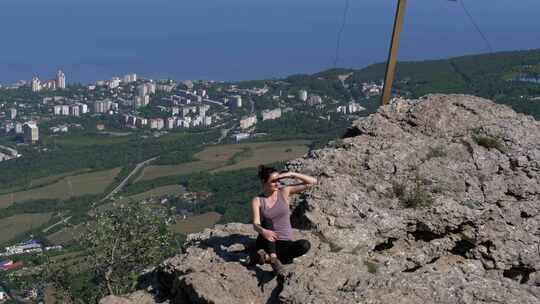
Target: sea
245, 39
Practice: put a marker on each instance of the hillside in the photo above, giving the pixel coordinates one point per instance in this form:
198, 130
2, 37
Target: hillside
427, 201
491, 76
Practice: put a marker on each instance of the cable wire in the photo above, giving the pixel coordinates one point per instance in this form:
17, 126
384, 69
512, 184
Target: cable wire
471, 18
340, 32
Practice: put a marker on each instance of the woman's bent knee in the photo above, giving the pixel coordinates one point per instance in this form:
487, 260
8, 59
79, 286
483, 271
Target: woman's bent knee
305, 245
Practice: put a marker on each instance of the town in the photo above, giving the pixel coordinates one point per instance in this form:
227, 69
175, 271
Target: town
145, 104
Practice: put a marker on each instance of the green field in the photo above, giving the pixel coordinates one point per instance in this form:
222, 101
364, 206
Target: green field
18, 224
157, 192
86, 140
232, 157
66, 235
196, 223
43, 181
54, 178
70, 186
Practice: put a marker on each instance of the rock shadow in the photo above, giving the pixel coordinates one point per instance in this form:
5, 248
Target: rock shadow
232, 248
237, 248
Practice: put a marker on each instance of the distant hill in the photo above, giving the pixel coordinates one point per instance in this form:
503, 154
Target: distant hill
487, 75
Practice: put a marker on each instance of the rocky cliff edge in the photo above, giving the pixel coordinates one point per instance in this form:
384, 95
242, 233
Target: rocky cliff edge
435, 200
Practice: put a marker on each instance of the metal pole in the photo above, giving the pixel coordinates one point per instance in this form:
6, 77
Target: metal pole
392, 56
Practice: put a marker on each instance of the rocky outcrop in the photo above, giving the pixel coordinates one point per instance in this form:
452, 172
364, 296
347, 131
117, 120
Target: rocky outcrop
434, 200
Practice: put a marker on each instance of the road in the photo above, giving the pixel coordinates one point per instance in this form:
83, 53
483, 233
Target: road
113, 192
54, 225
223, 135
133, 172
215, 102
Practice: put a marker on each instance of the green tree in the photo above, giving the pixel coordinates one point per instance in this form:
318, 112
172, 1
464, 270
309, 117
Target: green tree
122, 241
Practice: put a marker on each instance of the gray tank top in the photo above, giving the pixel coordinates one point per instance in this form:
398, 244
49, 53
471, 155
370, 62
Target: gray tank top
277, 218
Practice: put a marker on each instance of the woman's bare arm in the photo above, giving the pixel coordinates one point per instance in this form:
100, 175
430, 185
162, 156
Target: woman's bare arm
255, 209
307, 182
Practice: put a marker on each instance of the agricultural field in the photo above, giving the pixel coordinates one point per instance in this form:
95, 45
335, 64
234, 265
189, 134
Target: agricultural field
70, 186
39, 182
86, 140
157, 192
18, 224
232, 157
196, 223
266, 155
153, 172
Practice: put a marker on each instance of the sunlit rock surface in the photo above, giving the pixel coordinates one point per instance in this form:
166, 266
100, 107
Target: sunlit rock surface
427, 201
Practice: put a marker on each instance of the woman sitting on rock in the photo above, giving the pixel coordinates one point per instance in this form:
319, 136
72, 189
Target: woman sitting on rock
271, 219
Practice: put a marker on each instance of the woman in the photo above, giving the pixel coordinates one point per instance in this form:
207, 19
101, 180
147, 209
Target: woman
271, 218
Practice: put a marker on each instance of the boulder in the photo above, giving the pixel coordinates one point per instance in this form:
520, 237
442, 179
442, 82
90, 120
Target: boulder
435, 200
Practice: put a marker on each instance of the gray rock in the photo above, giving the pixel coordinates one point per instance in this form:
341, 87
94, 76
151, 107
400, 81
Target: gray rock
139, 297
427, 201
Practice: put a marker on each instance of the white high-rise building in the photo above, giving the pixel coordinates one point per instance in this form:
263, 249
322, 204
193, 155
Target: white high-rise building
114, 83
207, 121
60, 80
102, 106
142, 90
314, 100
12, 113
74, 110
57, 110
18, 128
36, 84
83, 108
302, 95
130, 78
156, 123
31, 133
171, 122
141, 101
146, 89
235, 102
65, 110
151, 88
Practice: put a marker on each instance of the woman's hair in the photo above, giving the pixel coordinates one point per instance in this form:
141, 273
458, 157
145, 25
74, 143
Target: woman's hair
265, 172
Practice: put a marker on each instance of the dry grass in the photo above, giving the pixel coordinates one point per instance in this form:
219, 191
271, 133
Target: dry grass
71, 186
157, 192
153, 172
196, 223
267, 155
226, 152
218, 158
13, 226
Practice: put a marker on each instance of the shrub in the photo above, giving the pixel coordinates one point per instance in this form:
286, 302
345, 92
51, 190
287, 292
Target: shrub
489, 142
417, 197
435, 152
371, 267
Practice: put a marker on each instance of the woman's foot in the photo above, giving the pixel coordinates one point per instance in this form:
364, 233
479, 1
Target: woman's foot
262, 257
278, 268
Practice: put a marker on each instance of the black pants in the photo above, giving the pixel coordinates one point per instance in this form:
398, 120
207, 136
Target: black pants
286, 251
